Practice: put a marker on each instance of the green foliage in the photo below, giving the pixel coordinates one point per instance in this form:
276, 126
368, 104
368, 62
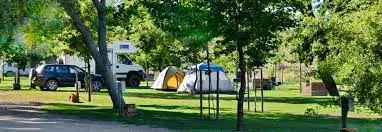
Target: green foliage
18, 54
74, 44
229, 62
157, 50
186, 22
253, 23
345, 44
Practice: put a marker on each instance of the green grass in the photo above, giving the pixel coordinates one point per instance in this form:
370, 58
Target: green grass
284, 109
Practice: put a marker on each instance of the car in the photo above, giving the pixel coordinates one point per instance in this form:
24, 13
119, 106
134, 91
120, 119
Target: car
10, 69
50, 77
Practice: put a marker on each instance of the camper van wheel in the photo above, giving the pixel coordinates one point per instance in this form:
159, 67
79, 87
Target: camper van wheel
133, 81
9, 74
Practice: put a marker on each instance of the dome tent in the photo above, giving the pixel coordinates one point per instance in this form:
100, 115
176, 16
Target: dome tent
191, 82
170, 78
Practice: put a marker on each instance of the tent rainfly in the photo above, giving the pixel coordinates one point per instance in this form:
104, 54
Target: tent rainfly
170, 78
191, 82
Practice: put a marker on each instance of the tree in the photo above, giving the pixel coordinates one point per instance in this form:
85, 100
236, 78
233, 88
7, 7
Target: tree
100, 56
19, 56
249, 22
239, 23
345, 42
184, 21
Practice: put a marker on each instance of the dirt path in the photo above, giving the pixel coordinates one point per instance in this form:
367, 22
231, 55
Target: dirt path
28, 117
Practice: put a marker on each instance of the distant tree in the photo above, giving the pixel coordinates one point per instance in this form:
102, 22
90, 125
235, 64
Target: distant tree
344, 38
17, 55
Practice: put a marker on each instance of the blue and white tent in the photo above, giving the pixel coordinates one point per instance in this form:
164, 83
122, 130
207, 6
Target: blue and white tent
204, 67
191, 82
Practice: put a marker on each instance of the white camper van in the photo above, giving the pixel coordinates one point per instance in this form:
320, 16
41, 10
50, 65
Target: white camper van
10, 69
122, 66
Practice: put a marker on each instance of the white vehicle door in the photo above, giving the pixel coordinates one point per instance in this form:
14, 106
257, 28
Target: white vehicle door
123, 66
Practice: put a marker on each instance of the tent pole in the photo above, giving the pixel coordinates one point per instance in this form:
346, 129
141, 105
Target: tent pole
201, 94
217, 95
209, 82
177, 81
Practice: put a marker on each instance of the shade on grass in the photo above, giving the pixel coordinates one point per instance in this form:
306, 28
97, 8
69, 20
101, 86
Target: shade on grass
284, 110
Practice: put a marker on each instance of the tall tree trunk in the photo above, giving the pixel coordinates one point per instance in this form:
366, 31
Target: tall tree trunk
240, 101
108, 74
100, 56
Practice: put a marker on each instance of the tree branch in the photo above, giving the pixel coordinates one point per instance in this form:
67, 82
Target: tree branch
69, 6
99, 4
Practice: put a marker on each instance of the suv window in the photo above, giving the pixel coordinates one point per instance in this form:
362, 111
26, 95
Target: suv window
62, 69
48, 69
73, 69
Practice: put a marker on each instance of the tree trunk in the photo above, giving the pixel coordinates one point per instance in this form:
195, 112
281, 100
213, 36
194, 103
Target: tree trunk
344, 111
108, 74
100, 57
240, 101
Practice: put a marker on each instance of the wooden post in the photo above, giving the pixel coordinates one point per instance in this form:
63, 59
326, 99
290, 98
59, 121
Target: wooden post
201, 93
217, 95
254, 87
3, 67
90, 82
77, 88
276, 71
147, 71
248, 99
262, 90
121, 106
300, 78
282, 76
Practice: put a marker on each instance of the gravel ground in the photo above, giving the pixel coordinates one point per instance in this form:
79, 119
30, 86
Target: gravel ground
28, 117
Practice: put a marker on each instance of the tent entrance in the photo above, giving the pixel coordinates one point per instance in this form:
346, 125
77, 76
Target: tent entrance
174, 81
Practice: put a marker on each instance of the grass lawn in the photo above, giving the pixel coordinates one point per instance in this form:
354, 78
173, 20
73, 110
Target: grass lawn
284, 109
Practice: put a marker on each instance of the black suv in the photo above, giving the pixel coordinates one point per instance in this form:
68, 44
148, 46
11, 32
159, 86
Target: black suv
49, 77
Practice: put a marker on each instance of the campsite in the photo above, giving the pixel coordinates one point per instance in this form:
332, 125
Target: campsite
284, 109
180, 65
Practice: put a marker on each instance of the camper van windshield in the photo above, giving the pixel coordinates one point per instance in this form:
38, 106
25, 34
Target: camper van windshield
123, 59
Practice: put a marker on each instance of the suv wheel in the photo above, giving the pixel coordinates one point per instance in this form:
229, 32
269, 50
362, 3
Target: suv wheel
97, 85
133, 81
51, 85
